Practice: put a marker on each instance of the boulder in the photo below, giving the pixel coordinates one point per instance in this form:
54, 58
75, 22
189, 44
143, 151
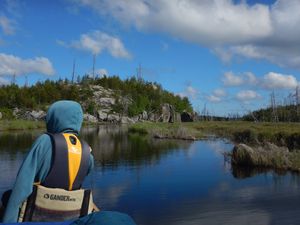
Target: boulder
135, 118
102, 115
126, 120
30, 115
186, 117
113, 118
144, 115
16, 112
177, 117
90, 118
106, 102
38, 115
153, 117
165, 113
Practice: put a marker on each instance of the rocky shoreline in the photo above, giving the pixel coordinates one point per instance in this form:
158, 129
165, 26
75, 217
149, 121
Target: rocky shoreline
165, 115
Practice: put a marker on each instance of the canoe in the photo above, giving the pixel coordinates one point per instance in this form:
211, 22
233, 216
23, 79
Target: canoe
97, 218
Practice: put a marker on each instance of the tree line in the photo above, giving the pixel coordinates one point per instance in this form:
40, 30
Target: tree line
144, 95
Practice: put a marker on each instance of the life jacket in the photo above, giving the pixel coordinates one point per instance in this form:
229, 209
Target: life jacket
59, 196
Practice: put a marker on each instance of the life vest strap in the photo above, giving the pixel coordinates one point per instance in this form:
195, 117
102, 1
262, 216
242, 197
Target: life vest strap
58, 176
30, 205
85, 203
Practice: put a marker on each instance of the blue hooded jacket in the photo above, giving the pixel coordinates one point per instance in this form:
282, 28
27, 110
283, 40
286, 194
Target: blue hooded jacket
62, 117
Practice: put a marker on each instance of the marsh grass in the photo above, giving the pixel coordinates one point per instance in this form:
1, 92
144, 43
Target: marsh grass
282, 134
21, 125
165, 130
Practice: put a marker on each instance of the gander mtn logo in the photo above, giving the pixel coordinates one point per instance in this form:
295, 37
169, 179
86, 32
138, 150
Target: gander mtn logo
65, 198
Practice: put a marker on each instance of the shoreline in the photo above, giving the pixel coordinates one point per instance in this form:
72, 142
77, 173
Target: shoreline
265, 145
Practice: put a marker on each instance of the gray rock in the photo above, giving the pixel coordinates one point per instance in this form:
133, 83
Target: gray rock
153, 117
16, 112
165, 113
37, 115
144, 115
102, 115
90, 118
113, 118
106, 102
186, 117
126, 120
177, 117
135, 118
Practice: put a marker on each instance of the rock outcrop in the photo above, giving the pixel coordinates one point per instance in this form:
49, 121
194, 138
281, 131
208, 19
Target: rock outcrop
105, 105
90, 118
187, 117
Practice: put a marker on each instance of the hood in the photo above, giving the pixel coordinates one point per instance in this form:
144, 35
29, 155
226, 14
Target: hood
64, 116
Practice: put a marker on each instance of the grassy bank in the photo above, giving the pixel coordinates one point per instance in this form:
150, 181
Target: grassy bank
20, 125
265, 145
282, 134
166, 130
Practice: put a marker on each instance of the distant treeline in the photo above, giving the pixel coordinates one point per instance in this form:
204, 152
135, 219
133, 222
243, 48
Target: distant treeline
288, 113
143, 95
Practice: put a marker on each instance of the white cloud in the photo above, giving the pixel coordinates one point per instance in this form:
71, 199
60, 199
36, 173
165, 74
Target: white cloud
232, 80
189, 92
207, 21
279, 81
7, 25
101, 72
247, 95
219, 92
270, 80
217, 95
13, 65
230, 29
213, 98
96, 42
251, 78
192, 92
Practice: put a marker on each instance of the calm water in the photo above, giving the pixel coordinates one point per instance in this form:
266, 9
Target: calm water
171, 182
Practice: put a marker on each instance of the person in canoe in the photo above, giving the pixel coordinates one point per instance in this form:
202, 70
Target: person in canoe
48, 184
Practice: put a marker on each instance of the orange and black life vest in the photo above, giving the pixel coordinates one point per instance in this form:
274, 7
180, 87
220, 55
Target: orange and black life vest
70, 162
59, 196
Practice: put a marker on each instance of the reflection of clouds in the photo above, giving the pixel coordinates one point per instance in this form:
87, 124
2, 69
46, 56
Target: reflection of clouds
219, 147
109, 198
264, 203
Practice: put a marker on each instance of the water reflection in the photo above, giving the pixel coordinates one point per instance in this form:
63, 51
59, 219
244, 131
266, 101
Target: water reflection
112, 146
172, 182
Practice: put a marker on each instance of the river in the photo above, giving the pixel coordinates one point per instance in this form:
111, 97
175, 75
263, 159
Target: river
172, 182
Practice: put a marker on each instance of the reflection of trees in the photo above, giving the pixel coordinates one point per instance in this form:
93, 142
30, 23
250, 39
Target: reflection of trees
15, 142
242, 172
113, 145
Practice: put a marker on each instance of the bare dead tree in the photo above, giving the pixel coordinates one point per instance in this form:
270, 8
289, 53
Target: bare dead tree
94, 62
274, 108
73, 71
139, 72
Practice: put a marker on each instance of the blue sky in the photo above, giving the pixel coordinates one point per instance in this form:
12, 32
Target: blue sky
227, 55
